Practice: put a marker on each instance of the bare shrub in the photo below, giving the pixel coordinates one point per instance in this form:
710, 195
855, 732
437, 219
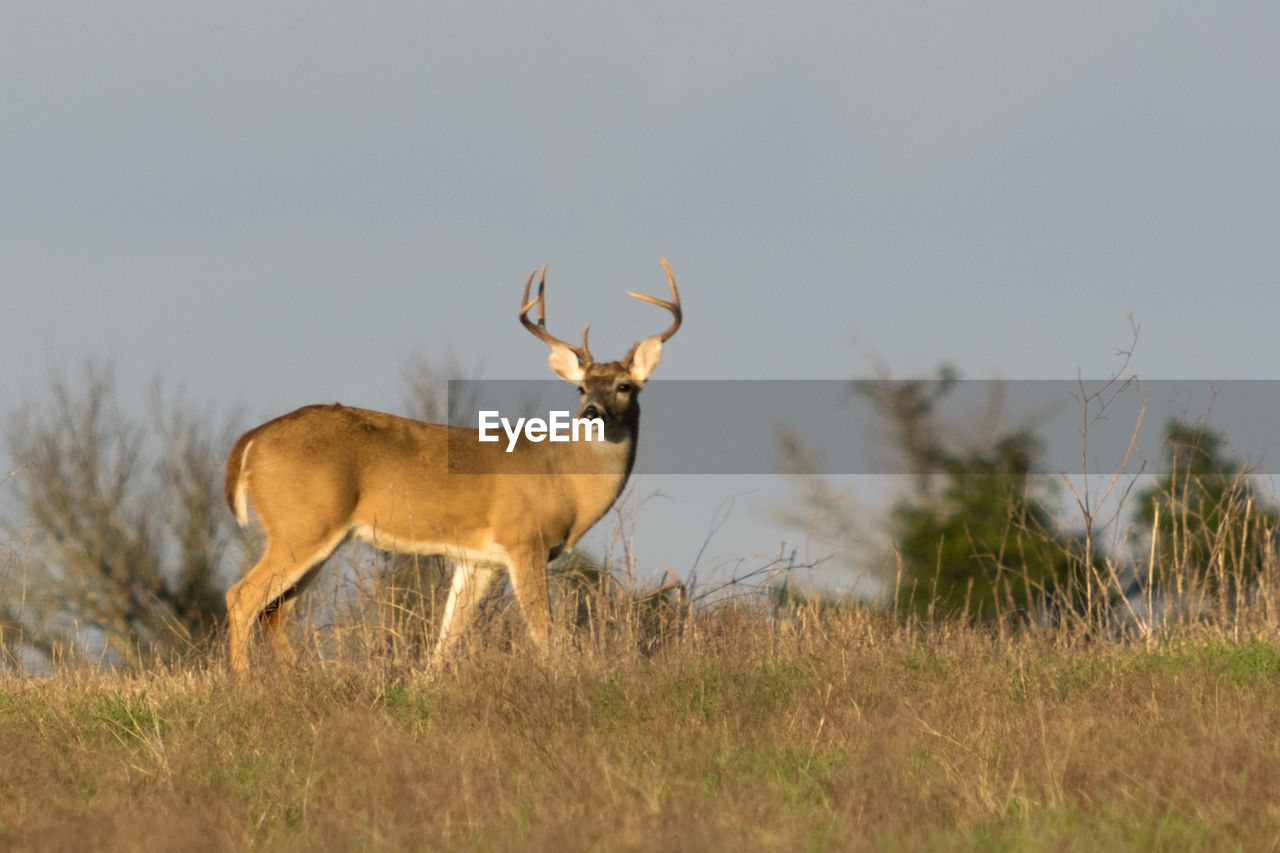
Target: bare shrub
126, 547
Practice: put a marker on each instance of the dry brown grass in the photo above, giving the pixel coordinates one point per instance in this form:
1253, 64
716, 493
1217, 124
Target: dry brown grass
841, 729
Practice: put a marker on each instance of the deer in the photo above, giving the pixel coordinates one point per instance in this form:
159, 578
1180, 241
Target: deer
325, 474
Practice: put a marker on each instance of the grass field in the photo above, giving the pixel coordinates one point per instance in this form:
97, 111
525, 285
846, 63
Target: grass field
837, 730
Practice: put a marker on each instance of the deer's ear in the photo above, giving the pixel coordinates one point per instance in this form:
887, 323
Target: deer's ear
565, 364
645, 358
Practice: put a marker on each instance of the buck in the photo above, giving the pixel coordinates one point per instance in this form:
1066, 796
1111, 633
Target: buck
321, 475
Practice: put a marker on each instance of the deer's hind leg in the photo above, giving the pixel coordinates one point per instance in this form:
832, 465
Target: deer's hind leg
266, 595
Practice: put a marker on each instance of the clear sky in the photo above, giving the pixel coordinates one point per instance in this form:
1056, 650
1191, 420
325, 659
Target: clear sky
273, 204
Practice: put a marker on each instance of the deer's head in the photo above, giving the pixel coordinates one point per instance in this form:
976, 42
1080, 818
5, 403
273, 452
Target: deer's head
607, 390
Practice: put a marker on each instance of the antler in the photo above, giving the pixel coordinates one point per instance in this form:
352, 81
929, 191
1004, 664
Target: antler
539, 329
673, 306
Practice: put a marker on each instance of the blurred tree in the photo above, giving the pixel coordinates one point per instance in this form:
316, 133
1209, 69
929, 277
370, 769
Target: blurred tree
977, 533
1215, 529
125, 542
908, 405
988, 545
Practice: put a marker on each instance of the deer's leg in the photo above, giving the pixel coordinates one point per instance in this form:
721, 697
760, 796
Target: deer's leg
470, 583
274, 618
266, 594
528, 570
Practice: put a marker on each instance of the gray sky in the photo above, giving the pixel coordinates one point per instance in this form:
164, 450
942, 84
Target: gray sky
277, 204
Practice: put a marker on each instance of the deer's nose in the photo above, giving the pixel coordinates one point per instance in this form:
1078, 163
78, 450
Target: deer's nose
592, 411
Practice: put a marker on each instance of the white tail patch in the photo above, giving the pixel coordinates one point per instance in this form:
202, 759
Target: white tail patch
242, 490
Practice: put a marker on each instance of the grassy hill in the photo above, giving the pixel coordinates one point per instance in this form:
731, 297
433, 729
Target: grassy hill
841, 728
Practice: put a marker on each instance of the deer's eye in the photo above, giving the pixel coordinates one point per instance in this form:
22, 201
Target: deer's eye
581, 390
624, 388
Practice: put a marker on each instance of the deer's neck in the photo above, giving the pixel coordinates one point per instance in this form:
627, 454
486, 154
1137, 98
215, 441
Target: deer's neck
602, 471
